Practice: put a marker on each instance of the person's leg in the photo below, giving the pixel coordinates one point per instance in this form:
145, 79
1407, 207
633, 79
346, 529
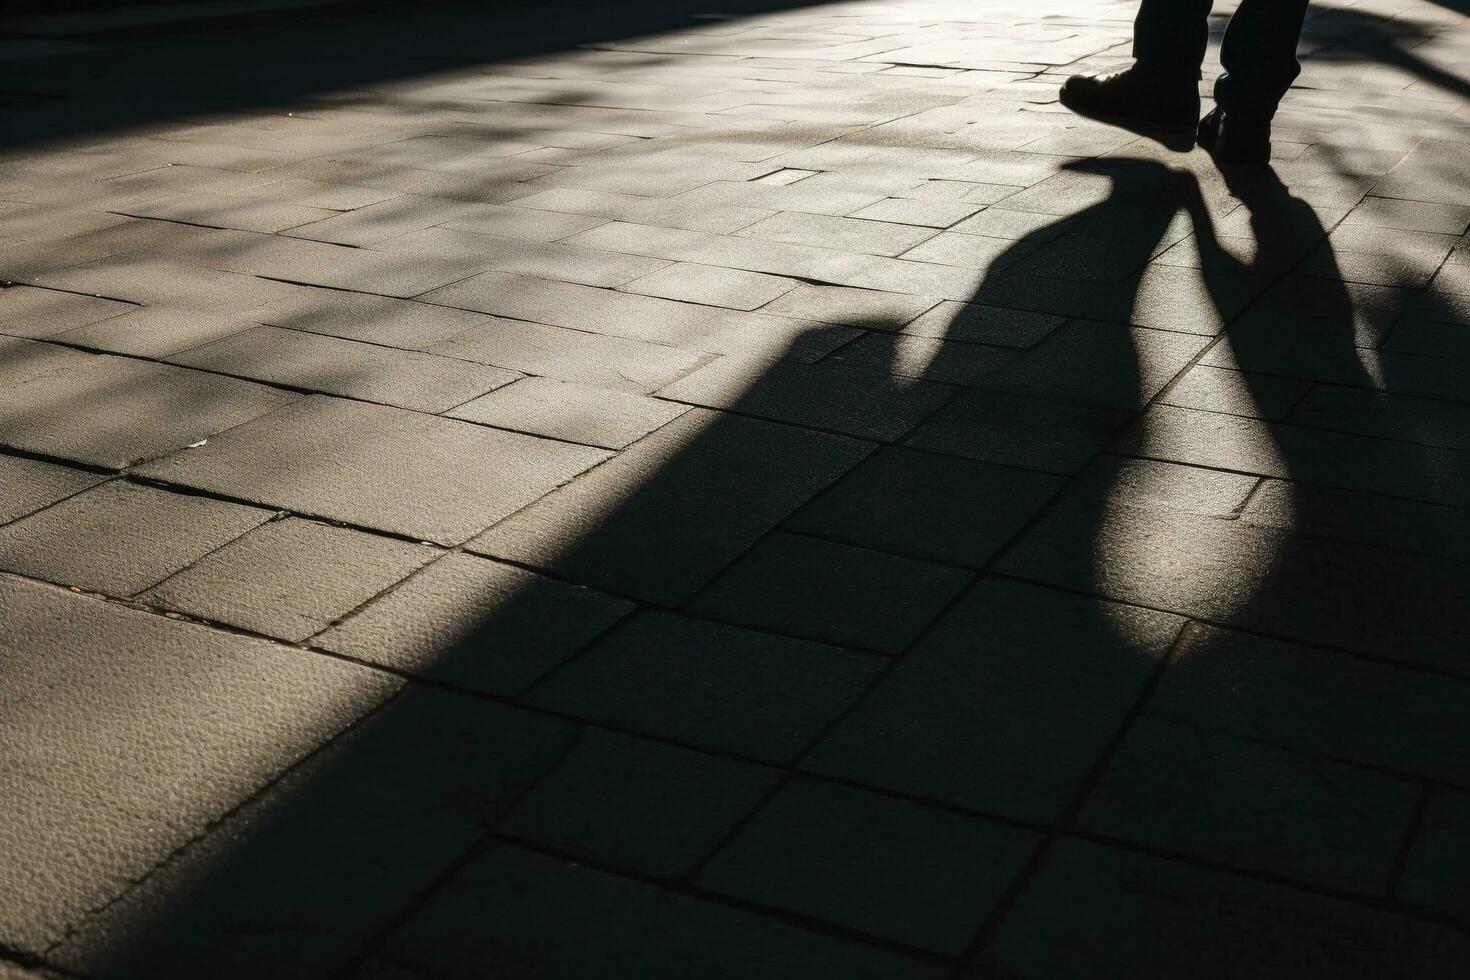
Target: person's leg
1259, 57
1170, 37
1162, 87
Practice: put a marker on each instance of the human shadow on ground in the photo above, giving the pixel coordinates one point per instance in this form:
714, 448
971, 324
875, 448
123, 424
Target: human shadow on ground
737, 650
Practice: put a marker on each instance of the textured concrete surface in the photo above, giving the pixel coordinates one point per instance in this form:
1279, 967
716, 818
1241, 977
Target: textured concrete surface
638, 490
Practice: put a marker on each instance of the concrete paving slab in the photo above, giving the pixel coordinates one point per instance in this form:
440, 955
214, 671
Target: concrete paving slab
120, 537
197, 722
289, 578
436, 479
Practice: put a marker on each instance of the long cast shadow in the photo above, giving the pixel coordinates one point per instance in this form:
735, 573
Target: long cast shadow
345, 845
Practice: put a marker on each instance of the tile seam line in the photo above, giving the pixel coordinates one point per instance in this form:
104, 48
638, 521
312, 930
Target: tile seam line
1394, 880
986, 932
1413, 666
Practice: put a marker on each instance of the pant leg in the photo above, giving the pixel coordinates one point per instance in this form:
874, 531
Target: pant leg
1170, 37
1259, 56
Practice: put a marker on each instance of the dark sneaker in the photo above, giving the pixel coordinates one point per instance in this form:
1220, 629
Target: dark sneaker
1132, 94
1231, 138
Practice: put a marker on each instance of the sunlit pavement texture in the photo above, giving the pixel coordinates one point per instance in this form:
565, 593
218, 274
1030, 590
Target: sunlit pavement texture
637, 491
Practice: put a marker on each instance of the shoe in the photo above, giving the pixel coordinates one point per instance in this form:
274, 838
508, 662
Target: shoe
1231, 138
1132, 94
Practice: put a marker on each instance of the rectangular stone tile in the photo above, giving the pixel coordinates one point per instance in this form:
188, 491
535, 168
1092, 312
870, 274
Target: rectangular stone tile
1004, 222
584, 414
26, 311
157, 331
570, 355
422, 382
669, 212
383, 812
984, 324
1057, 437
153, 280
1066, 192
1098, 363
37, 240
1078, 255
638, 804
666, 515
1365, 518
1342, 707
866, 309
1415, 246
1408, 270
476, 624
1264, 344
1111, 302
644, 318
386, 468
786, 175
290, 578
1343, 460
1433, 172
339, 267
1009, 167
904, 276
370, 319
1005, 705
332, 197
547, 260
1379, 601
970, 251
849, 234
27, 485
380, 221
1374, 413
834, 593
1436, 872
525, 221
885, 867
940, 508
152, 728
711, 286
1147, 483
111, 411
772, 257
809, 199
1441, 304
1449, 340
753, 693
120, 537
929, 213
218, 210
1212, 389
1096, 911
1453, 278
667, 180
479, 186
869, 404
562, 921
1187, 789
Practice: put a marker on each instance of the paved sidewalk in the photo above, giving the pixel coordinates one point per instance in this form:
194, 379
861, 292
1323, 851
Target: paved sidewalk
757, 494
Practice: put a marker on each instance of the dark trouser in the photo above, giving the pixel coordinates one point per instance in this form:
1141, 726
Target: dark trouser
1258, 53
